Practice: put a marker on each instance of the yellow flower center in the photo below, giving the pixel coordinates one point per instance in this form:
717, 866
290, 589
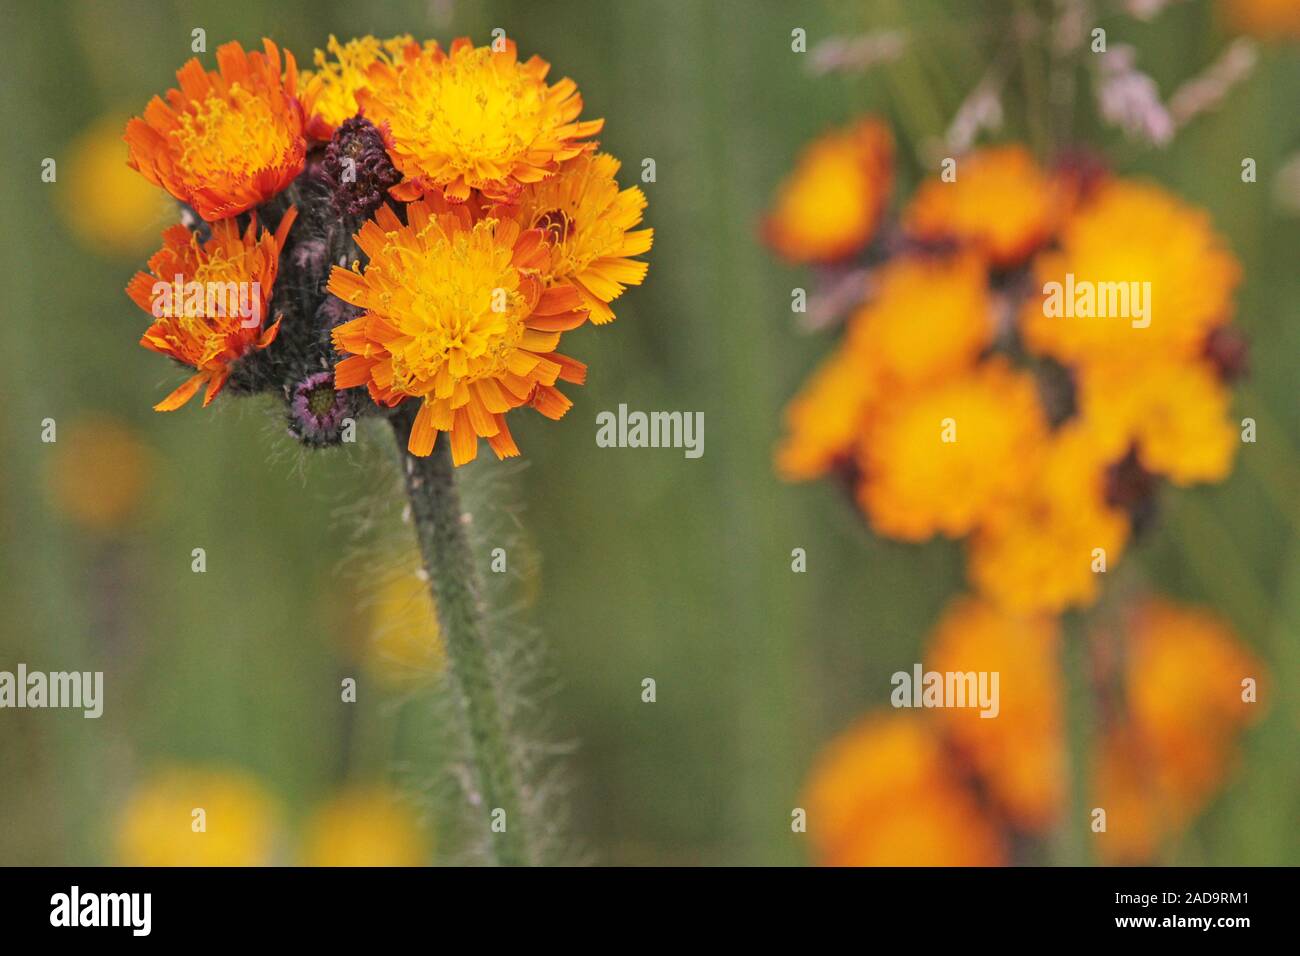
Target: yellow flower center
229, 137
456, 299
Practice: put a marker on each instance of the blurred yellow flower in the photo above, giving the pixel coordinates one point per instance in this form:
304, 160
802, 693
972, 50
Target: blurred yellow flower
364, 826
403, 644
830, 206
105, 203
1175, 412
1020, 753
1001, 203
1132, 232
882, 794
197, 816
1036, 552
99, 472
939, 459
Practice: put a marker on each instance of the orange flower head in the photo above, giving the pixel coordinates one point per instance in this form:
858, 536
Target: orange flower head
1036, 552
474, 118
227, 140
190, 290
456, 315
938, 459
830, 206
1020, 752
329, 93
1131, 243
589, 223
882, 794
1001, 203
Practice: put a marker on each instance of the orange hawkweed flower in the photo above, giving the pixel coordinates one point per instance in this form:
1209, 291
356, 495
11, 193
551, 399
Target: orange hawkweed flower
1001, 203
587, 219
188, 325
456, 315
831, 204
227, 140
474, 118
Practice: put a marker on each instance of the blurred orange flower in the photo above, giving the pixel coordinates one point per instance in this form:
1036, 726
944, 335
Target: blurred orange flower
1175, 413
1185, 677
1035, 551
882, 794
939, 459
830, 206
1266, 19
1001, 203
1019, 754
1134, 232
99, 472
930, 318
826, 419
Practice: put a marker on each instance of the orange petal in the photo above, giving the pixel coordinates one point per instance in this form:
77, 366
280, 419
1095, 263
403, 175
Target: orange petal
183, 394
423, 434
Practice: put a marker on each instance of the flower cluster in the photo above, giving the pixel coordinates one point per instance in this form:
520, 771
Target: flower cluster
474, 220
1031, 353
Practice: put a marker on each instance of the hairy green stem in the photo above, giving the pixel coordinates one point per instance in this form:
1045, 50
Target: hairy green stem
454, 580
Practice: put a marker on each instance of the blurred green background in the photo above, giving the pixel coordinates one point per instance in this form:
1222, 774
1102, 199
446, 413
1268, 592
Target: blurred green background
650, 564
